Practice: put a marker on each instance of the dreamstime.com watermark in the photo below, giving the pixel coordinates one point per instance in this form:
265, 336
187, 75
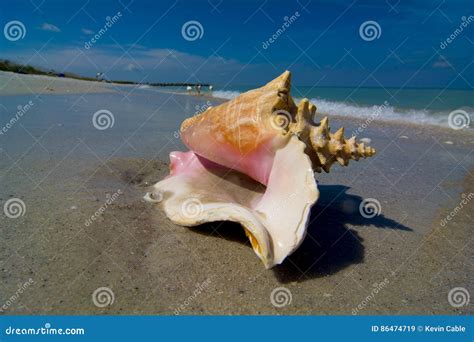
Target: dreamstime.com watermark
110, 21
361, 128
287, 22
202, 108
109, 200
200, 287
199, 109
21, 288
21, 110
465, 200
464, 24
46, 330
376, 288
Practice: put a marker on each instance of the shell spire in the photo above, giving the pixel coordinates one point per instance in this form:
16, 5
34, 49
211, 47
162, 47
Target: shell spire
244, 126
323, 147
337, 148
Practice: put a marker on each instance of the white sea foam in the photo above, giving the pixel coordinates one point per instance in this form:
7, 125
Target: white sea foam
386, 112
383, 112
225, 94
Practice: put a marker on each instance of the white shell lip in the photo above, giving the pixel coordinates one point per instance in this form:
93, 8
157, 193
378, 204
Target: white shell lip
277, 218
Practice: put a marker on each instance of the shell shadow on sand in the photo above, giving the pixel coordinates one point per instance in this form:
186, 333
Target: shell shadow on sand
330, 245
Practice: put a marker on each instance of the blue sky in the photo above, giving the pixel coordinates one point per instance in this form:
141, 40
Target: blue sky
322, 45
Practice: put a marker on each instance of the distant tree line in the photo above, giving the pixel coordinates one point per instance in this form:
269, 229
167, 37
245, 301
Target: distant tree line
6, 65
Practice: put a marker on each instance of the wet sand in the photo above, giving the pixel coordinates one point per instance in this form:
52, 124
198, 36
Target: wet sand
65, 170
14, 84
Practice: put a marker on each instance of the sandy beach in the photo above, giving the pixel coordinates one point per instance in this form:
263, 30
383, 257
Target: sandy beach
66, 171
14, 84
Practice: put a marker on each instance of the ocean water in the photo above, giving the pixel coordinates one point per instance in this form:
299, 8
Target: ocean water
422, 106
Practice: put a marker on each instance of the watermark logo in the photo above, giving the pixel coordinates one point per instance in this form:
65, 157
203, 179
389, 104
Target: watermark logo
103, 119
191, 208
103, 296
280, 297
459, 119
14, 30
370, 207
281, 119
192, 30
458, 297
370, 30
14, 208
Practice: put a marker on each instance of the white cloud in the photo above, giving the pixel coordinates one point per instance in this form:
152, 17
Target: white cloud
50, 27
87, 31
131, 67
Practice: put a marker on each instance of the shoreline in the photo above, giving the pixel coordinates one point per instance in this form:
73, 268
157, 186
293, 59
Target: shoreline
65, 86
23, 84
357, 120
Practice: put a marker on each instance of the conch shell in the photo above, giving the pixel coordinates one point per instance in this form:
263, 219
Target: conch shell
252, 161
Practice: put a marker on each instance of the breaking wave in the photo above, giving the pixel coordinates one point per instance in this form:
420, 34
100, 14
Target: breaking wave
225, 94
383, 111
